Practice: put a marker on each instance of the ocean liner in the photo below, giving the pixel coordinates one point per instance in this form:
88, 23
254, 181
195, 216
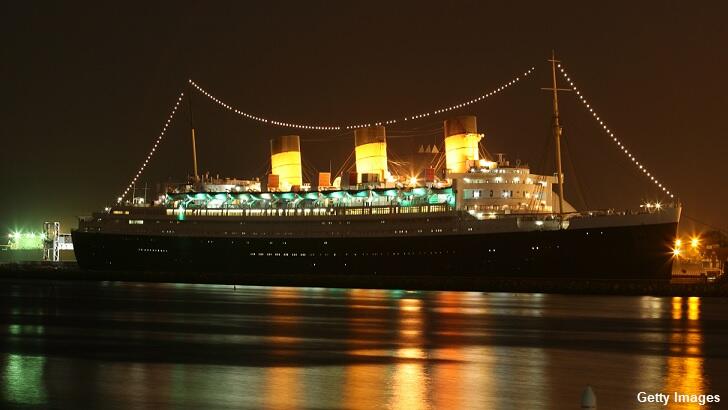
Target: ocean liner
475, 215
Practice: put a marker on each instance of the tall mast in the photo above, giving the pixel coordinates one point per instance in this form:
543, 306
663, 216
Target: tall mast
557, 130
192, 128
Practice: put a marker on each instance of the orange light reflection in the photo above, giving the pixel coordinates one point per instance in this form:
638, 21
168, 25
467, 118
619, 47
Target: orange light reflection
685, 363
409, 381
282, 384
677, 308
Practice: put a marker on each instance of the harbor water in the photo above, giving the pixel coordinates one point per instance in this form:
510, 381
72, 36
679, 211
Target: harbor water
124, 345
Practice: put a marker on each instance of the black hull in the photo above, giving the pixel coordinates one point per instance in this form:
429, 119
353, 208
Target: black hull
630, 252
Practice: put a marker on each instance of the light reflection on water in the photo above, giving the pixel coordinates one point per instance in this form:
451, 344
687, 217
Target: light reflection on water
23, 379
685, 364
195, 346
282, 383
409, 382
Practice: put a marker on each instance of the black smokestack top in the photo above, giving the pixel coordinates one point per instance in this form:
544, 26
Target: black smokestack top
369, 134
285, 143
464, 124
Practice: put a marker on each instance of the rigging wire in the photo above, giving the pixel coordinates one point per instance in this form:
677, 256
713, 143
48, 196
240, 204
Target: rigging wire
265, 166
579, 187
611, 135
157, 141
333, 127
399, 165
439, 159
713, 227
310, 171
343, 166
438, 131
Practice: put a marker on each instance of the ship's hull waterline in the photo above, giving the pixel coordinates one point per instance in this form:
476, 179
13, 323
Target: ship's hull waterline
617, 252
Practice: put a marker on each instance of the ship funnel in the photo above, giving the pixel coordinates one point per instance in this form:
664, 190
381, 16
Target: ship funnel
371, 152
461, 143
285, 160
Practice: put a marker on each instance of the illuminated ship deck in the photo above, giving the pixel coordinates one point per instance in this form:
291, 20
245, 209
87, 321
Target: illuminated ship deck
398, 240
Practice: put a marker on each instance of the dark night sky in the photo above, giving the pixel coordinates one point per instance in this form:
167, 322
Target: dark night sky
86, 88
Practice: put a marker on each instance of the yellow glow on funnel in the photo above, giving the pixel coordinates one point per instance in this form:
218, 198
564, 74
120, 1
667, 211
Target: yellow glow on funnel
372, 159
287, 165
285, 161
459, 149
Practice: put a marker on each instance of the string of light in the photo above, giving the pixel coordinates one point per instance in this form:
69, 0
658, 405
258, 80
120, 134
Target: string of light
154, 148
640, 166
289, 124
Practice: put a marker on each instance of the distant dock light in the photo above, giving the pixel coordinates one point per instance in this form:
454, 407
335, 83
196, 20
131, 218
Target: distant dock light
694, 242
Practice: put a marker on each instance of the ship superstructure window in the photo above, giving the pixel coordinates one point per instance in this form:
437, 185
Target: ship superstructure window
136, 221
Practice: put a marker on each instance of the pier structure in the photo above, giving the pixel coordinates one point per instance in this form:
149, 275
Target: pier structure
54, 241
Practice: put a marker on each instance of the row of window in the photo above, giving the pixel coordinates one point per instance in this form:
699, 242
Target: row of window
310, 211
501, 180
303, 254
256, 233
506, 171
477, 193
310, 254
